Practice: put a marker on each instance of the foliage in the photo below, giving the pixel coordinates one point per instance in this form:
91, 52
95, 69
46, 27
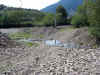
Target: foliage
61, 15
30, 44
94, 19
48, 20
15, 17
80, 18
1, 19
2, 7
77, 20
88, 14
21, 35
19, 17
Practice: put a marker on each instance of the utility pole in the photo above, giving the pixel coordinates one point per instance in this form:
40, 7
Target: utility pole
55, 21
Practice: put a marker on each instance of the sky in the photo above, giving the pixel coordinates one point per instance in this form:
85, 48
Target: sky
33, 4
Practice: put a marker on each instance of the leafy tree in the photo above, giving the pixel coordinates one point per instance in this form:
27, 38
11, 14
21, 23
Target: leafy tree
61, 15
80, 18
1, 20
48, 20
77, 20
2, 7
94, 19
15, 17
11, 17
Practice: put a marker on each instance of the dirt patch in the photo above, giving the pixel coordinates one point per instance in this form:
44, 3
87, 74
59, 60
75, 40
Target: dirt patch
79, 36
64, 34
5, 41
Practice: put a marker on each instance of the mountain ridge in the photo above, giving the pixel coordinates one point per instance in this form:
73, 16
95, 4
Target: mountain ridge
69, 5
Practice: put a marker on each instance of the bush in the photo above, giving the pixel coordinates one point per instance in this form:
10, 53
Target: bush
48, 20
80, 18
76, 20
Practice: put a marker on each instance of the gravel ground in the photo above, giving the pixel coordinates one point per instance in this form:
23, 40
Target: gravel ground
50, 61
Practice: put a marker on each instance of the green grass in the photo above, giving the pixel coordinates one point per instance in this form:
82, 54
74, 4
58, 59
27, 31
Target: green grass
95, 46
62, 30
81, 43
23, 35
69, 28
29, 44
20, 35
40, 36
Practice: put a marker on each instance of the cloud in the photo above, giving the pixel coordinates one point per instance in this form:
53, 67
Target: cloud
35, 4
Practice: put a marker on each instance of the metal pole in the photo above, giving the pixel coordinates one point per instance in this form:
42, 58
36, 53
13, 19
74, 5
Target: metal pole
55, 22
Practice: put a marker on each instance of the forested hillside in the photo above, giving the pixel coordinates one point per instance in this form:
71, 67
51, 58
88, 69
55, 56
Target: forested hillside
17, 17
21, 17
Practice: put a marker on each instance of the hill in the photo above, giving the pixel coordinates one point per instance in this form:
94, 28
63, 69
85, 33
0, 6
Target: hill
70, 6
12, 17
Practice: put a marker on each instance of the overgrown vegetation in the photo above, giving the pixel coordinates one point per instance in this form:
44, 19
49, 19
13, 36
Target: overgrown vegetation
88, 14
19, 17
48, 20
80, 18
30, 44
94, 19
20, 35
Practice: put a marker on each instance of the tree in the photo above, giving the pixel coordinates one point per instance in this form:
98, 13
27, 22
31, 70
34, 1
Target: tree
15, 17
94, 19
1, 20
48, 20
11, 17
61, 15
2, 7
80, 18
77, 20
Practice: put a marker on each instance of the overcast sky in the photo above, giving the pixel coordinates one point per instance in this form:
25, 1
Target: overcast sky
35, 4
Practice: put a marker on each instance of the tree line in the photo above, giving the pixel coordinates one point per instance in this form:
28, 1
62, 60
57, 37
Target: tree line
20, 17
